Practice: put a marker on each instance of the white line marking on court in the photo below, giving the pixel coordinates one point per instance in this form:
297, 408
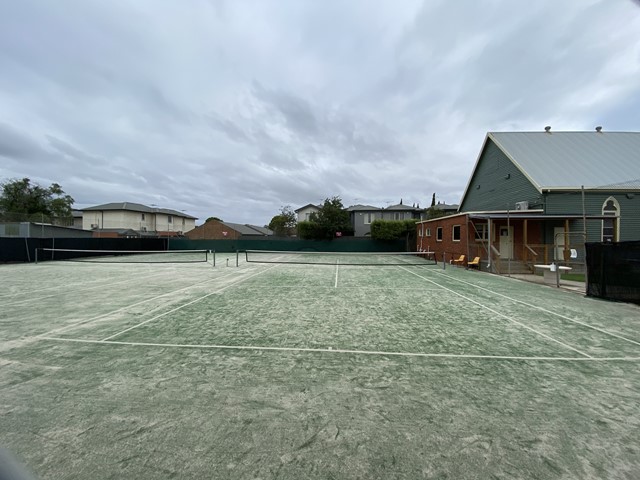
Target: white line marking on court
343, 351
543, 309
32, 300
337, 266
499, 314
126, 307
186, 304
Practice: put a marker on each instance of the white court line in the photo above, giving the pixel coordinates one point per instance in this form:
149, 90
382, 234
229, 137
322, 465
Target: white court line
57, 294
343, 351
126, 307
186, 304
543, 309
500, 314
337, 265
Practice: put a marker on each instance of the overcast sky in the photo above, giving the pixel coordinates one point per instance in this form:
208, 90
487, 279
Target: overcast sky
236, 108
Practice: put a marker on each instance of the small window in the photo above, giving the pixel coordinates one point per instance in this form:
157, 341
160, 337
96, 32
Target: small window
610, 209
369, 217
428, 232
481, 232
398, 216
455, 233
143, 217
169, 219
439, 234
421, 231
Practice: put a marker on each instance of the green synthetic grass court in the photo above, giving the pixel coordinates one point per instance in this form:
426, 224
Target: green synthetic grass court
153, 371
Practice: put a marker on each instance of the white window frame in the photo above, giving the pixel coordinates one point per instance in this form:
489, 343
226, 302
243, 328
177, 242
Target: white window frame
369, 217
615, 216
453, 233
169, 219
481, 232
428, 231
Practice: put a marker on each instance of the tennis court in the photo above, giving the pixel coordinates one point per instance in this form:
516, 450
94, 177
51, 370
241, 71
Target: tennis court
392, 368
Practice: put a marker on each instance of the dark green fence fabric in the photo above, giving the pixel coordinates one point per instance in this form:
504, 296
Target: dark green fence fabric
613, 271
23, 249
346, 244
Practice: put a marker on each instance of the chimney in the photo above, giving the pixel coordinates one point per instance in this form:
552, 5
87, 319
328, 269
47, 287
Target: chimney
599, 129
547, 129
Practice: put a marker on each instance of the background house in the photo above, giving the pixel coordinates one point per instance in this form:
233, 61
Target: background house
532, 196
363, 215
217, 230
134, 216
303, 213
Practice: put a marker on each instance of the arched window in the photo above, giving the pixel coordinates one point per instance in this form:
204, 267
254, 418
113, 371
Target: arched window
611, 208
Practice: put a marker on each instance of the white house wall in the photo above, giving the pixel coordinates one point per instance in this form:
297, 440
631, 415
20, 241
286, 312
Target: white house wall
134, 220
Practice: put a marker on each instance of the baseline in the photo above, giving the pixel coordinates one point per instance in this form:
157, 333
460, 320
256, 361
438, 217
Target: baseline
346, 351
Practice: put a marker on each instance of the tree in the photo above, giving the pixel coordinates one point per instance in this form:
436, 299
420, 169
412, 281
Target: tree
24, 197
323, 224
284, 224
213, 218
433, 200
435, 212
393, 230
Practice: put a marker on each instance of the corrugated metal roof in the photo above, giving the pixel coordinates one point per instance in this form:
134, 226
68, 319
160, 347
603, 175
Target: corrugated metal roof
573, 159
136, 207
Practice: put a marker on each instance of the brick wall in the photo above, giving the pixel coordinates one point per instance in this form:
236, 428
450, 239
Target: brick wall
446, 248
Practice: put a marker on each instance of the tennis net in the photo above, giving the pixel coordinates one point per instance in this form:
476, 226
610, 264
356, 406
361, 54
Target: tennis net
341, 258
122, 256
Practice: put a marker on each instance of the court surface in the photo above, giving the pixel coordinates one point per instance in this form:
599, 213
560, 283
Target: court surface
264, 371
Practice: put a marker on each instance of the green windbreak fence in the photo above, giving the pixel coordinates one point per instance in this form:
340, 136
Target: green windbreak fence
614, 271
346, 244
23, 249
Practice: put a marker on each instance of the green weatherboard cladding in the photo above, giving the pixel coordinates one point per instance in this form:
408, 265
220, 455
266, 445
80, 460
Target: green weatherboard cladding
497, 184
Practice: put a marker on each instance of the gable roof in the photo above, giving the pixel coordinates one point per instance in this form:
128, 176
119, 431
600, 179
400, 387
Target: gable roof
136, 207
308, 205
363, 208
569, 160
245, 229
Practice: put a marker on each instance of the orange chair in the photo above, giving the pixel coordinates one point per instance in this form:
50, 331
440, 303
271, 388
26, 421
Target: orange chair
475, 263
458, 261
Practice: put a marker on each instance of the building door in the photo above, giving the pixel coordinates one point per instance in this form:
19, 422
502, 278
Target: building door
506, 243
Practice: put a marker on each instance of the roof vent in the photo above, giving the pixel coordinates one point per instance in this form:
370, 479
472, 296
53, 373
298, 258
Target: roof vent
547, 129
599, 129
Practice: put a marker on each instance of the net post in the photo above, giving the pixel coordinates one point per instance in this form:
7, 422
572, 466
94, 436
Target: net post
444, 260
37, 255
237, 258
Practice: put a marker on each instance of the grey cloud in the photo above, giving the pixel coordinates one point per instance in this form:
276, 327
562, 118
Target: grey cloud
18, 146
